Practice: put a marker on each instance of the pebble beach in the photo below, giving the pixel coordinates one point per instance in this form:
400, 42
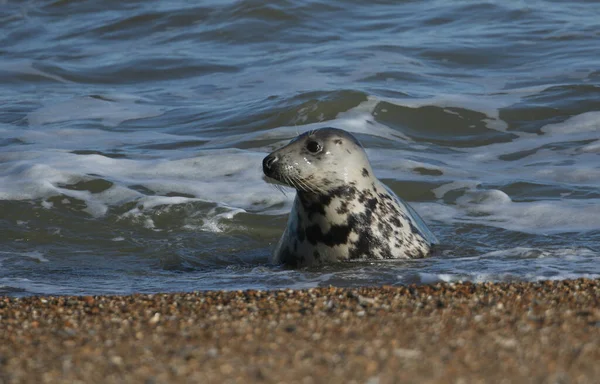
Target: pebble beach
539, 332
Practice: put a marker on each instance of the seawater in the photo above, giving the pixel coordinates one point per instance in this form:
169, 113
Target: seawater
132, 134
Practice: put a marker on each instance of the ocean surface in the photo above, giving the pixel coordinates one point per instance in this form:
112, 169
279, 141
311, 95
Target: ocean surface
132, 135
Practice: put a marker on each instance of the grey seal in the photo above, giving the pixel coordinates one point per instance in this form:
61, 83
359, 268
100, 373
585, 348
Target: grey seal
341, 210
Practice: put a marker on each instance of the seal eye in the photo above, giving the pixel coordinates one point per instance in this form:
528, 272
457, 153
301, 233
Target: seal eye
313, 147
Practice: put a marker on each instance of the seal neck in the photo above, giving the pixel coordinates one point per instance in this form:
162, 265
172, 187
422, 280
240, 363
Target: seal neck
347, 192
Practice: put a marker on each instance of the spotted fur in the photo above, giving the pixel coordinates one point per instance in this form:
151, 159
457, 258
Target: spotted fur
341, 211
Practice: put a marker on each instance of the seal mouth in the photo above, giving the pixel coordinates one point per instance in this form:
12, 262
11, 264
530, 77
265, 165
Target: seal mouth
274, 181
271, 170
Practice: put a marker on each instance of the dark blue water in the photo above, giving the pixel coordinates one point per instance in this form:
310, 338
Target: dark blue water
132, 133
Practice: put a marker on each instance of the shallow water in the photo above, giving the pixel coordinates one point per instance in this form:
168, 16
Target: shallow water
132, 133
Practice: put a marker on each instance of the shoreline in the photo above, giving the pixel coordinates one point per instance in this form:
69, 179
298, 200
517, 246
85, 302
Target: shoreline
447, 332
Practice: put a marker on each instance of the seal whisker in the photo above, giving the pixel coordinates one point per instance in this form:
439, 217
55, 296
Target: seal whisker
299, 184
313, 187
290, 181
279, 188
308, 187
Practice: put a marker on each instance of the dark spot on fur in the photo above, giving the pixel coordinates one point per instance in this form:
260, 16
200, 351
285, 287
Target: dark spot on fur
385, 196
343, 208
386, 252
364, 195
365, 173
337, 234
371, 204
392, 210
316, 255
315, 204
338, 141
345, 192
418, 254
288, 257
311, 206
368, 243
325, 200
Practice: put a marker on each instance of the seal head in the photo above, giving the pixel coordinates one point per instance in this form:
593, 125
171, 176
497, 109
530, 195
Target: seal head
341, 211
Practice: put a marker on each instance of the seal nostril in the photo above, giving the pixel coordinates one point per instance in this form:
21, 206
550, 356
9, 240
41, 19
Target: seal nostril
268, 162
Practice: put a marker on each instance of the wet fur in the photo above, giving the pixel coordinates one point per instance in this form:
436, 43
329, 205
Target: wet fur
341, 211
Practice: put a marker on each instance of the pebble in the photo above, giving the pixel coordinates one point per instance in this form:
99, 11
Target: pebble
490, 332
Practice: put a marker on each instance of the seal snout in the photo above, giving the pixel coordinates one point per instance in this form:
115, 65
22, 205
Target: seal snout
268, 164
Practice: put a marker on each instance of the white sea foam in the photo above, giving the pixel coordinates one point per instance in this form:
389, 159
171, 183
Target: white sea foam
511, 263
586, 122
46, 167
35, 255
528, 252
431, 278
496, 209
232, 178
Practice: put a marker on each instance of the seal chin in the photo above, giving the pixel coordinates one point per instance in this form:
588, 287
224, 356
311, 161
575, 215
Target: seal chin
276, 183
